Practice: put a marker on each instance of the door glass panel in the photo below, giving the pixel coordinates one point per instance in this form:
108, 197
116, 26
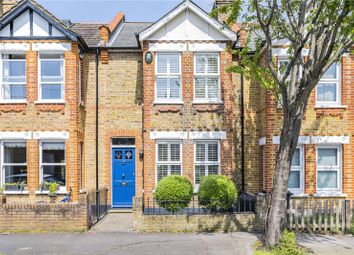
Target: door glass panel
128, 154
118, 155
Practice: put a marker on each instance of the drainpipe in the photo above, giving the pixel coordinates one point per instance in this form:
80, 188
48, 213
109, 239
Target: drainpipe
97, 185
242, 135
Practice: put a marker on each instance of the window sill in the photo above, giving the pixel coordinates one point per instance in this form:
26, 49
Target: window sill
330, 194
46, 192
331, 107
299, 194
13, 102
208, 102
16, 192
168, 102
50, 102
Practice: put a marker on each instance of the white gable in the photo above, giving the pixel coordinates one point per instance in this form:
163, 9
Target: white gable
187, 22
187, 26
22, 26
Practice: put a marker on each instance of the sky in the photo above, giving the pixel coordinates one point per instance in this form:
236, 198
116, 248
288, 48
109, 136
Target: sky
104, 10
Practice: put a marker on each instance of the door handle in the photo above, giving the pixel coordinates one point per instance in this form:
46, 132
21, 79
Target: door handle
123, 176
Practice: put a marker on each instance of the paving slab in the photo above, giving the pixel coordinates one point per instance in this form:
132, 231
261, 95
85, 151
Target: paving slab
115, 222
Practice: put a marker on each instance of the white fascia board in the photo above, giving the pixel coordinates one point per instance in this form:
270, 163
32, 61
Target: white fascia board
207, 47
25, 135
301, 140
196, 135
51, 47
168, 135
262, 141
179, 47
156, 26
14, 47
60, 135
283, 52
330, 139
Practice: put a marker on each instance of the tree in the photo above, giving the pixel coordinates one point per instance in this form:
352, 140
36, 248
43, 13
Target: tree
322, 28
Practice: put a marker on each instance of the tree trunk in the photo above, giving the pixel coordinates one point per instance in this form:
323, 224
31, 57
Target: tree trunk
277, 203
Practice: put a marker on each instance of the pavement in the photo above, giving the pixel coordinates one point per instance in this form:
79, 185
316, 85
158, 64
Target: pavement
327, 245
103, 243
115, 222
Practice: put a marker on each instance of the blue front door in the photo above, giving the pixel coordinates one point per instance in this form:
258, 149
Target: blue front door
123, 177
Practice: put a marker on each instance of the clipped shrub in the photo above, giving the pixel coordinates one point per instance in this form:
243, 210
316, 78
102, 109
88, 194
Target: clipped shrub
174, 193
217, 192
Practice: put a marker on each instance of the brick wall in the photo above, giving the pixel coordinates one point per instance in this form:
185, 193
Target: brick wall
44, 217
120, 112
34, 116
190, 117
317, 122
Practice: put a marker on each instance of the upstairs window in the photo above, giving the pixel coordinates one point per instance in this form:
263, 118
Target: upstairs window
13, 84
207, 78
168, 78
328, 89
51, 77
168, 159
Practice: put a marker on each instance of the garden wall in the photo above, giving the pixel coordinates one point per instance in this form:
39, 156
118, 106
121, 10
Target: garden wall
229, 222
44, 217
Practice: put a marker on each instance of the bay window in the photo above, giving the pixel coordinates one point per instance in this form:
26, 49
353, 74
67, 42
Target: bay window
168, 158
206, 159
52, 163
329, 168
14, 166
328, 89
207, 78
168, 78
51, 77
13, 82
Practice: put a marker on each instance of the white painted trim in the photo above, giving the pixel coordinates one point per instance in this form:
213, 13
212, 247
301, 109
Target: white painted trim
16, 192
61, 135
116, 34
283, 52
14, 47
51, 47
173, 47
304, 140
330, 139
204, 135
207, 47
9, 135
301, 169
276, 140
262, 141
168, 135
175, 12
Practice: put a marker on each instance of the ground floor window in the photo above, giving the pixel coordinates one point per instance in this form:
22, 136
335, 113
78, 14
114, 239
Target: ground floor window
296, 178
52, 164
168, 158
14, 166
206, 159
329, 168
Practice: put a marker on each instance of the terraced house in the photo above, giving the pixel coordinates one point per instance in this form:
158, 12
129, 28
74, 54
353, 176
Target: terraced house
123, 104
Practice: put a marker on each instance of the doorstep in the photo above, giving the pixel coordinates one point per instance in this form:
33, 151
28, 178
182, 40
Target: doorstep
120, 210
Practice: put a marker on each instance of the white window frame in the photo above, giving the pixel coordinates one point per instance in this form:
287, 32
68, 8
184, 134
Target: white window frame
168, 75
206, 163
301, 168
2, 164
41, 164
338, 168
207, 75
62, 100
337, 82
2, 96
168, 163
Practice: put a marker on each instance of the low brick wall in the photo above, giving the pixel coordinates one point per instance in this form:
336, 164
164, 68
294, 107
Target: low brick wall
192, 223
44, 217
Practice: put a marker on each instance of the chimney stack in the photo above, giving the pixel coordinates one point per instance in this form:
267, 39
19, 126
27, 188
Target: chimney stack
218, 3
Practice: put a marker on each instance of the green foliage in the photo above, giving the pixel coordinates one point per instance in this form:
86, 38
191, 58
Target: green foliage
287, 245
217, 192
18, 185
174, 193
53, 188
